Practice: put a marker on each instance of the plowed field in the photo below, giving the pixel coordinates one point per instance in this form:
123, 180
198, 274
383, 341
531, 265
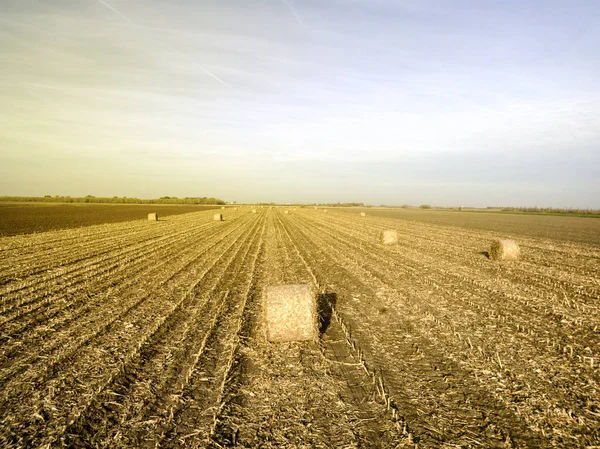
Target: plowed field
150, 334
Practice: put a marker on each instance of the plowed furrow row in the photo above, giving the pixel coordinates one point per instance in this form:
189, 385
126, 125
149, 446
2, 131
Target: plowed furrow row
122, 270
515, 309
414, 385
68, 322
467, 252
22, 264
191, 419
160, 370
65, 274
529, 376
103, 356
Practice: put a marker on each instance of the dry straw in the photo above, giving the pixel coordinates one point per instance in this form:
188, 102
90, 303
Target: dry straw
153, 217
503, 249
325, 210
290, 313
222, 207
286, 212
362, 214
218, 217
388, 237
253, 211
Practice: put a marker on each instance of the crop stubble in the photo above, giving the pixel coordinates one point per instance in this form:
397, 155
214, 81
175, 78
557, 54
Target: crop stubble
132, 334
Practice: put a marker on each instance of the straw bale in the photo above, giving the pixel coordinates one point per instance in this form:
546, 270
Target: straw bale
286, 212
325, 210
362, 214
222, 207
290, 313
503, 249
253, 211
388, 237
153, 217
218, 217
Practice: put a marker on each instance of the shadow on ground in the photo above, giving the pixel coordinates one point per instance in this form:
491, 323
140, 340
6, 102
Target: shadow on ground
325, 304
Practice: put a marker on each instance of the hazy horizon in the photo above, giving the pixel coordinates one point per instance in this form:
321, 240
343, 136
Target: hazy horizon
375, 101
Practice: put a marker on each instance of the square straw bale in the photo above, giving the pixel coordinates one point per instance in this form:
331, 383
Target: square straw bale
153, 217
388, 237
290, 313
362, 214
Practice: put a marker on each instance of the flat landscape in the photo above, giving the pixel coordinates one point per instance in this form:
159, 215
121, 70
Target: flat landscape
151, 334
26, 218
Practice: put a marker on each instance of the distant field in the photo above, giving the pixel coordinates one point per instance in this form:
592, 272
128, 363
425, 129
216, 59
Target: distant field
565, 228
27, 218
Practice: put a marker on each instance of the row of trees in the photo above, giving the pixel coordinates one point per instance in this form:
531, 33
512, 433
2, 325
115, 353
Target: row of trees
113, 200
549, 210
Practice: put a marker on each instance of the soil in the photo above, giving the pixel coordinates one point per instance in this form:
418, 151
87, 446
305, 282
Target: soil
141, 334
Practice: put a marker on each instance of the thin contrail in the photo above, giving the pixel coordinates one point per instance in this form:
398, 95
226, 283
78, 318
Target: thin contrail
209, 73
293, 11
115, 10
212, 75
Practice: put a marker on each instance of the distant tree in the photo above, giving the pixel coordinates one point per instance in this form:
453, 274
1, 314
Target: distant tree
425, 206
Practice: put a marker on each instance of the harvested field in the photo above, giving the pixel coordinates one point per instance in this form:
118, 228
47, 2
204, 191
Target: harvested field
27, 218
128, 335
566, 229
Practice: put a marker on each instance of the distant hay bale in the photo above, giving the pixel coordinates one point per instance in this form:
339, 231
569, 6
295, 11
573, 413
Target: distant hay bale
388, 237
153, 217
253, 211
218, 217
222, 207
503, 249
286, 212
362, 214
290, 313
325, 210
316, 207
235, 208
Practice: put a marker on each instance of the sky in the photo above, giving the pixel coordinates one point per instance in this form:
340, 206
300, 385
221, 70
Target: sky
449, 102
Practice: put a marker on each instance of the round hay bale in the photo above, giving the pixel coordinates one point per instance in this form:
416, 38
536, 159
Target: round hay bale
222, 207
218, 217
253, 211
286, 212
325, 210
388, 237
362, 214
503, 249
153, 217
290, 313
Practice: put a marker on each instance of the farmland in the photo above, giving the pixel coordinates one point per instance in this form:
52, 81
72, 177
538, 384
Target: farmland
150, 334
26, 218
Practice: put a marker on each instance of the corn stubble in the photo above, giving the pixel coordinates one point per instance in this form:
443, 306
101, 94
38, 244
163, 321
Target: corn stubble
131, 335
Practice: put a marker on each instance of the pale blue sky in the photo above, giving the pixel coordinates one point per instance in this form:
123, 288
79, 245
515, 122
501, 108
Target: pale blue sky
381, 101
